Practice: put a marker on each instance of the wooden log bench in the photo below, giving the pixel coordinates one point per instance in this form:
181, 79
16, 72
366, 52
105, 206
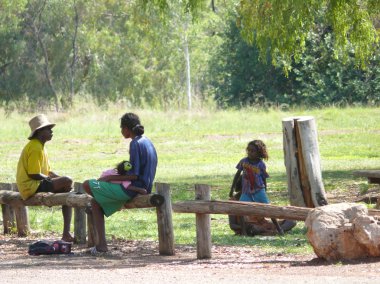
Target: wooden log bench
15, 212
202, 207
373, 176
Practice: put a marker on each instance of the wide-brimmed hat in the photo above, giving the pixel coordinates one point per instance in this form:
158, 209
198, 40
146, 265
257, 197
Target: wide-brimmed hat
38, 122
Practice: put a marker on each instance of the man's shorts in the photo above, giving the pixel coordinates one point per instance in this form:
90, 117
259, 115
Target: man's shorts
45, 186
110, 196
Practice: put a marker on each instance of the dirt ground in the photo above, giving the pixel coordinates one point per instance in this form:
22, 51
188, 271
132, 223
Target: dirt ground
140, 262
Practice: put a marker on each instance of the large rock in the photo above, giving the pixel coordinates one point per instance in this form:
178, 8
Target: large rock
343, 231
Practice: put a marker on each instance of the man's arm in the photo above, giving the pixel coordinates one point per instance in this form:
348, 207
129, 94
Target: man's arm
53, 175
38, 176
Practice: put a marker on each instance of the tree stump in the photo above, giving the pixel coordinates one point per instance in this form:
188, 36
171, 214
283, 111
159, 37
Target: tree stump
302, 162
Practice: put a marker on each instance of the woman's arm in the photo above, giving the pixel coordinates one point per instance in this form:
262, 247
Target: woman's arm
118, 178
139, 190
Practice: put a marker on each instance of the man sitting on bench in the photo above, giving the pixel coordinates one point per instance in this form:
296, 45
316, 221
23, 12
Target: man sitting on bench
34, 173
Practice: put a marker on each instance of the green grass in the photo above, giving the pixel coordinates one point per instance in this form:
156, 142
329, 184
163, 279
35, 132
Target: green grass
198, 147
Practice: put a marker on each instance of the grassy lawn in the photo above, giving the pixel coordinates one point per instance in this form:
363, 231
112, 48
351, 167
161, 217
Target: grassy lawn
198, 147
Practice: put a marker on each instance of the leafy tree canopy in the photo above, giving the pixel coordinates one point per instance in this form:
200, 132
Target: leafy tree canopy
280, 27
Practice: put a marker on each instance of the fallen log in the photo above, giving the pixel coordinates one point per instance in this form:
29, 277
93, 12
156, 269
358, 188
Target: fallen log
73, 199
247, 209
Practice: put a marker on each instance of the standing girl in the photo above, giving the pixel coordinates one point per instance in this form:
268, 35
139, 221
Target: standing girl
110, 197
254, 178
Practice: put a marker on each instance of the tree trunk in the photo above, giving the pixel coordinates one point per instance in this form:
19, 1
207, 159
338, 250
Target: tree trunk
37, 34
188, 73
74, 59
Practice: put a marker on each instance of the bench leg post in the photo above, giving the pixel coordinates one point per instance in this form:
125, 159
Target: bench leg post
164, 221
203, 223
79, 219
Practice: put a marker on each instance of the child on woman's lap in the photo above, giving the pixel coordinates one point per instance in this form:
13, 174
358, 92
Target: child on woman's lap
122, 168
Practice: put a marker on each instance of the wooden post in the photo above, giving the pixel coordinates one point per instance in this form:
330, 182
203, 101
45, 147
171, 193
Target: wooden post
312, 160
79, 218
291, 163
203, 223
22, 219
91, 234
7, 211
302, 162
304, 178
164, 221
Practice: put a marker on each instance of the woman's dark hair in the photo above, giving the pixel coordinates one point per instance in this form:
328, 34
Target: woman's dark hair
132, 122
261, 149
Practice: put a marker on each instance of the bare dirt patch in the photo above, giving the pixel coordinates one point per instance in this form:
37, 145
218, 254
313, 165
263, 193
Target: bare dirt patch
140, 261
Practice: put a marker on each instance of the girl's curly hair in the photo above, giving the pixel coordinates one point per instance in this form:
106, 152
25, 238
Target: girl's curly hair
261, 149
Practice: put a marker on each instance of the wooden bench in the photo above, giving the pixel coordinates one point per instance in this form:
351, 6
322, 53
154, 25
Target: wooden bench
373, 176
15, 213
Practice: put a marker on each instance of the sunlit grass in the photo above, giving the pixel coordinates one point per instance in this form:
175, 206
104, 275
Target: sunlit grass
197, 147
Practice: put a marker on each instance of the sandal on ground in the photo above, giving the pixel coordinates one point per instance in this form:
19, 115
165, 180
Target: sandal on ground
95, 252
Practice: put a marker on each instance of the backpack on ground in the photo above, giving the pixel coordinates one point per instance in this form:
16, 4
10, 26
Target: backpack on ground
49, 247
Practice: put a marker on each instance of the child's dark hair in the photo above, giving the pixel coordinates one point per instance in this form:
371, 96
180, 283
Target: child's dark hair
132, 122
261, 149
120, 168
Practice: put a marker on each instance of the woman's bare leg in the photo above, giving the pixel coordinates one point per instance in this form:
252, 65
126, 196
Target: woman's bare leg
98, 219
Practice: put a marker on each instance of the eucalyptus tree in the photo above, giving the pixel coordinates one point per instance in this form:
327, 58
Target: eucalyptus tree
317, 79
280, 27
10, 46
44, 71
133, 56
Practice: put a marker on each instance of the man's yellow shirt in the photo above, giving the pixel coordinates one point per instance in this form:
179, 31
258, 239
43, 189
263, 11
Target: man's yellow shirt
33, 160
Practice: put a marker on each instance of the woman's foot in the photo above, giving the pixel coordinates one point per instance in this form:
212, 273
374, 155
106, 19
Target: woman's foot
68, 238
101, 248
94, 251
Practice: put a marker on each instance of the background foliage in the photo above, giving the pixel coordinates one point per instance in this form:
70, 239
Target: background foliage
54, 53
